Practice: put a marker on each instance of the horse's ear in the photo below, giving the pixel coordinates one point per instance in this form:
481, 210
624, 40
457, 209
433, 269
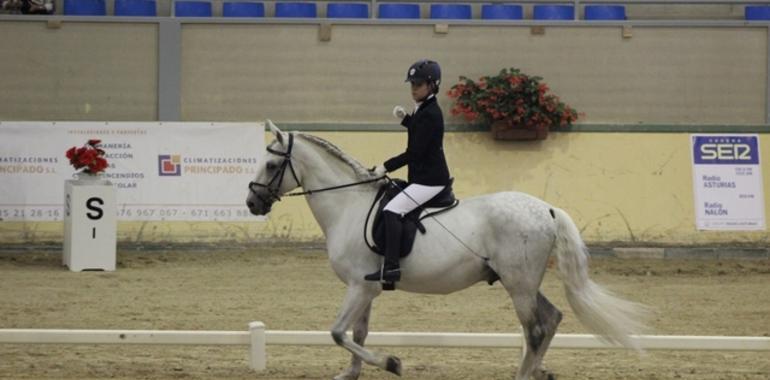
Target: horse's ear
277, 132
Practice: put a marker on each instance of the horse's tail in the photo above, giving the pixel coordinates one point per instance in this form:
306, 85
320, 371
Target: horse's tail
605, 314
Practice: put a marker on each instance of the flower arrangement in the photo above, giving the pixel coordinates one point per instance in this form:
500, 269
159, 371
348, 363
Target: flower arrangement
511, 99
88, 157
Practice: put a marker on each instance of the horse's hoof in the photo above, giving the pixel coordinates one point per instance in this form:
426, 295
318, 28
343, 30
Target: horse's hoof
393, 365
346, 376
542, 374
349, 374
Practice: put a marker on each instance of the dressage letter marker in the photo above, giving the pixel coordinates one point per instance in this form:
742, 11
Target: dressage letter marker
89, 205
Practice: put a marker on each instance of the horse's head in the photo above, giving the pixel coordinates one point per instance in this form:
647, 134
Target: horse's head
276, 177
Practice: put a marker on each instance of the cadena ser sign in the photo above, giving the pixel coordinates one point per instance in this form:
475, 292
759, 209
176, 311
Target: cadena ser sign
727, 181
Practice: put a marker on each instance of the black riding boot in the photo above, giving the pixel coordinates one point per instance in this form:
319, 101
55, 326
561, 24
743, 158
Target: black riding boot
391, 272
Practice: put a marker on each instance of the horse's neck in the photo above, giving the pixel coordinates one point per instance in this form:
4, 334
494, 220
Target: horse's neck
329, 207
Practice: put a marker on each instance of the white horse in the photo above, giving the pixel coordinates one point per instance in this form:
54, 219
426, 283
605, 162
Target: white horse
508, 234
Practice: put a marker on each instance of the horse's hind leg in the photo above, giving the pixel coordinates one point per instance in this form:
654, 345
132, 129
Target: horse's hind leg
521, 272
539, 318
360, 331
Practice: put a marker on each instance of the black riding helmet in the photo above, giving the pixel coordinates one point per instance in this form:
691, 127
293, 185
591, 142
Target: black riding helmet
425, 70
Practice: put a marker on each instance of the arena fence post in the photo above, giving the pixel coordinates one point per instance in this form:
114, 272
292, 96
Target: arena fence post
257, 359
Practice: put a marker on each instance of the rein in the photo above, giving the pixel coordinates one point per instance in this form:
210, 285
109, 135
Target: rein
278, 178
308, 192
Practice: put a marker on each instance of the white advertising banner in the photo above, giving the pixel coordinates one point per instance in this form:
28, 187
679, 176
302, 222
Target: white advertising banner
727, 179
162, 171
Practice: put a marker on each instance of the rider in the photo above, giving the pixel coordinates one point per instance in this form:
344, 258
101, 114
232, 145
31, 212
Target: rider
424, 157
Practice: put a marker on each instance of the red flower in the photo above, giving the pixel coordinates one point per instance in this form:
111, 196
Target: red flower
71, 153
88, 157
97, 165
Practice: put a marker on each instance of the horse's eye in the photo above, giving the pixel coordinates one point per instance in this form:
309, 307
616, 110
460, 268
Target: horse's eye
270, 166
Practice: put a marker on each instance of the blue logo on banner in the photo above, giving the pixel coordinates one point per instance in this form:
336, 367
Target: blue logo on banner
726, 150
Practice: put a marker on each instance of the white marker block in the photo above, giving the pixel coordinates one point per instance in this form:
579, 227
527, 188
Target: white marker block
90, 225
257, 355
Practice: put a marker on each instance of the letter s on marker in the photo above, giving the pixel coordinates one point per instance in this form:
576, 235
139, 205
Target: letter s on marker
98, 212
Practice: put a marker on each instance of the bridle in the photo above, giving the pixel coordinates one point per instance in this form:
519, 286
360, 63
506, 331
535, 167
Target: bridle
274, 185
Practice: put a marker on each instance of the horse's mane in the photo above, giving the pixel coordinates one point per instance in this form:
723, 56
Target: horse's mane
360, 171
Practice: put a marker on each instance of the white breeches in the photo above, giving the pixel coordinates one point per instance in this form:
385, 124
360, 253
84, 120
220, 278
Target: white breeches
410, 198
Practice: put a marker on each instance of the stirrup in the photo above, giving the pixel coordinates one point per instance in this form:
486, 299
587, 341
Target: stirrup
385, 275
395, 275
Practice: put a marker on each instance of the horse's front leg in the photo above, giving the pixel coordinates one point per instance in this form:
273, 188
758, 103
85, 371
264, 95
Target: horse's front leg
360, 331
357, 300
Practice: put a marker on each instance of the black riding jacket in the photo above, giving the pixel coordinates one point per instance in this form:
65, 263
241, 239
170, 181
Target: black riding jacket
425, 151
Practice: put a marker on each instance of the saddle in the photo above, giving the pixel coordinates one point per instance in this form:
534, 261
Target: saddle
412, 222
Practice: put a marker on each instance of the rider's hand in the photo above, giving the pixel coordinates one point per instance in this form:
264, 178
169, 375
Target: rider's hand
379, 171
399, 112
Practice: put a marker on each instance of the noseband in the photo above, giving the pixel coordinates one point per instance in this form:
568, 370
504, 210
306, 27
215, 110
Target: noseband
273, 187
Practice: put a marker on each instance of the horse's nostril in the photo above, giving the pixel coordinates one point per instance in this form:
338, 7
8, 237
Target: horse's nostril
250, 204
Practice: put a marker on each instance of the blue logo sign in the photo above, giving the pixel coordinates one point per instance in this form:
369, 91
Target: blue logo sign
726, 150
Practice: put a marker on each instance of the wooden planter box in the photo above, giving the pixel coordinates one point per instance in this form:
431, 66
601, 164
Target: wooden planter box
503, 130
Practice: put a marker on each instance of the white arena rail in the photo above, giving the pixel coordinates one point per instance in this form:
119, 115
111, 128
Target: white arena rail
257, 337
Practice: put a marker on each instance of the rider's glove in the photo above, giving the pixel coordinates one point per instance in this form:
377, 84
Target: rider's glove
399, 112
379, 171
